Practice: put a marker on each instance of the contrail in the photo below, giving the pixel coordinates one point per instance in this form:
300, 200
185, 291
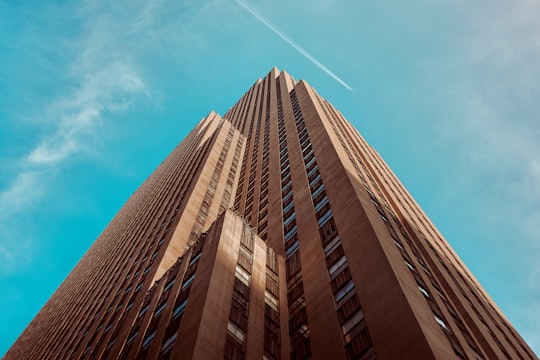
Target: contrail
291, 42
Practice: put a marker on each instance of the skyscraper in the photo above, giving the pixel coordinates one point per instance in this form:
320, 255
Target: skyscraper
272, 232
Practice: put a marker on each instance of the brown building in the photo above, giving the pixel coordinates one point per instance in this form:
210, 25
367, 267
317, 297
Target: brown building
324, 254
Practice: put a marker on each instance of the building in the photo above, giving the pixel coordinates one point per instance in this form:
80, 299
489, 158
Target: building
272, 232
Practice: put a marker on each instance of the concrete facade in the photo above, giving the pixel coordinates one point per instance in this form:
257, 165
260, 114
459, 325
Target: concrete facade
273, 232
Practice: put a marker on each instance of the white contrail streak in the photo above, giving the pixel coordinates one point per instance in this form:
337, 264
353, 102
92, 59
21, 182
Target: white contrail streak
291, 42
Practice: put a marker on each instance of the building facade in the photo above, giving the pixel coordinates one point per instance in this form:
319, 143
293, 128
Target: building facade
273, 232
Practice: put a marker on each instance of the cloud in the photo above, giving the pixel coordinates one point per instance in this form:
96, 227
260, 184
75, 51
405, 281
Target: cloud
80, 116
15, 247
98, 70
20, 194
105, 82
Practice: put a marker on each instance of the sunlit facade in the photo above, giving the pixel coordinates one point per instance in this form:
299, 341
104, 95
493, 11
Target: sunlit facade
272, 232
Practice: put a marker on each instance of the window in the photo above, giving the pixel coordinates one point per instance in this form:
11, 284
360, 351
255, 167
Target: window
286, 187
294, 293
324, 218
349, 324
410, 266
309, 156
284, 163
109, 345
132, 337
246, 254
292, 265
317, 191
317, 178
308, 164
242, 275
188, 281
179, 309
144, 310
287, 197
348, 307
244, 261
148, 340
271, 300
344, 291
160, 309
168, 344
441, 323
328, 231
289, 219
298, 320
332, 245
423, 291
236, 332
169, 285
288, 206
340, 278
291, 249
359, 346
308, 149
290, 231
337, 265
195, 258
247, 242
305, 142
272, 281
301, 346
321, 203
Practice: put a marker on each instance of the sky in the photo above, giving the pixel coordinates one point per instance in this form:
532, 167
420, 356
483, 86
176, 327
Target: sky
94, 94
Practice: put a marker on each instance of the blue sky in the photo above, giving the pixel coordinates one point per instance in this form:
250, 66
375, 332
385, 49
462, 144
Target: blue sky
94, 94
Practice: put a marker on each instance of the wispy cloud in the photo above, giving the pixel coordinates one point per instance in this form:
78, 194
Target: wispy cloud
20, 194
15, 247
105, 82
80, 116
292, 43
103, 58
